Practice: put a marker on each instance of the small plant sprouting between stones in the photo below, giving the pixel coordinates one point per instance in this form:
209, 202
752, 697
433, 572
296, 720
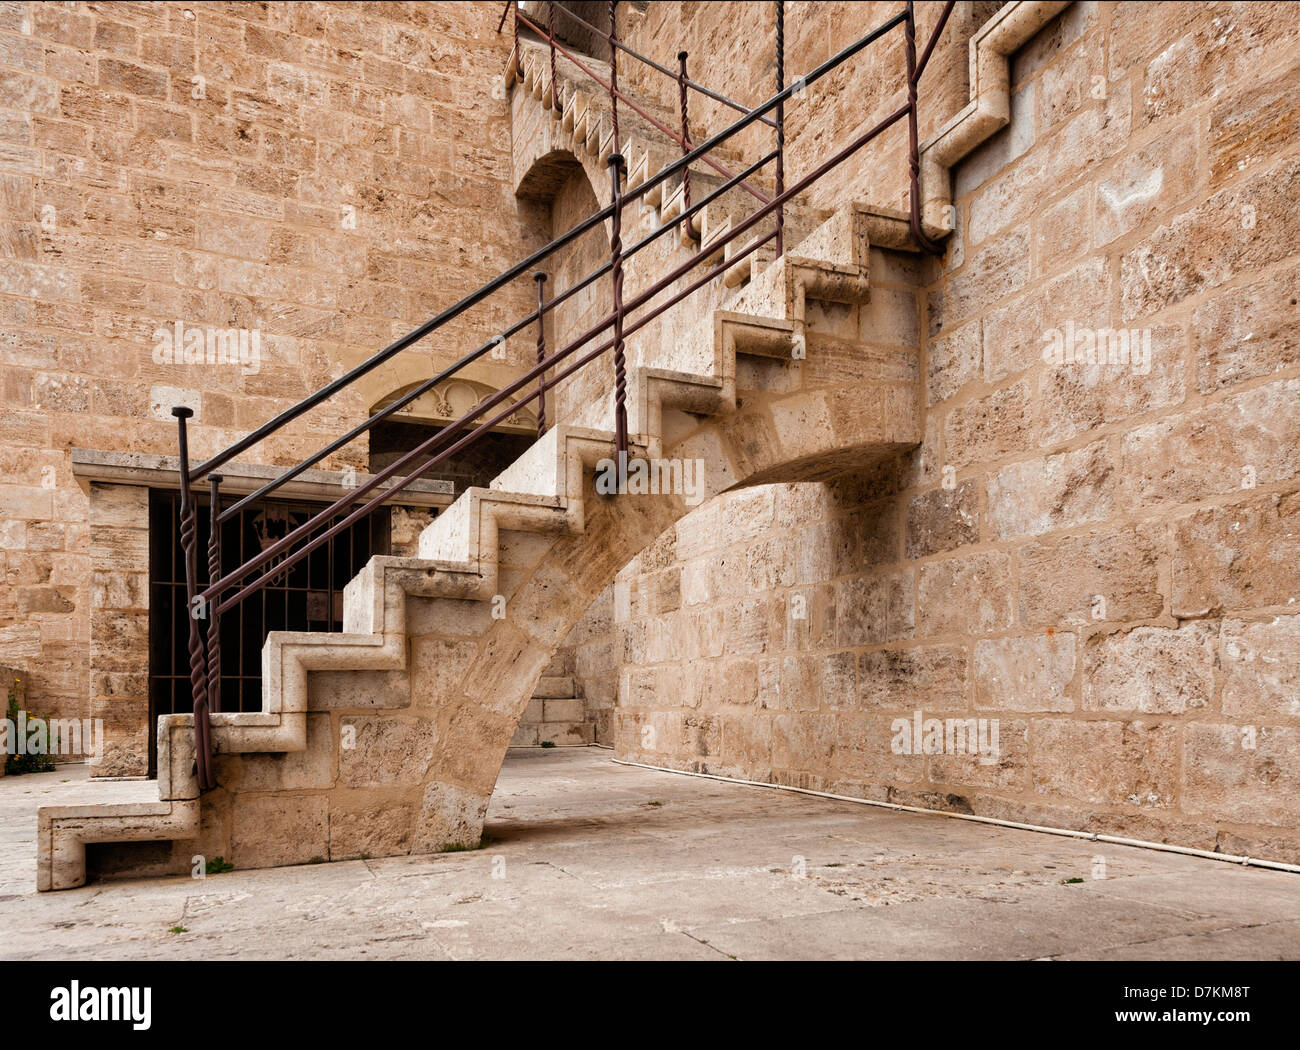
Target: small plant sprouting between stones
219, 866
25, 760
1068, 882
654, 802
459, 847
178, 929
547, 743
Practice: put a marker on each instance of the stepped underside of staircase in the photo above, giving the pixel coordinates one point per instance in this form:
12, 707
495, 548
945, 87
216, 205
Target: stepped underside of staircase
387, 738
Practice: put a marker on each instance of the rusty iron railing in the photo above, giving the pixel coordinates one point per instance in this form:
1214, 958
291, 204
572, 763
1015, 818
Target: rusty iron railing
616, 95
225, 592
780, 124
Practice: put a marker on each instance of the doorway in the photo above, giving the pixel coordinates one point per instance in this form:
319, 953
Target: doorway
309, 597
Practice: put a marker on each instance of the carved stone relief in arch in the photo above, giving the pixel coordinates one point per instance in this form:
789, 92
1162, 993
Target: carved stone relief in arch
451, 399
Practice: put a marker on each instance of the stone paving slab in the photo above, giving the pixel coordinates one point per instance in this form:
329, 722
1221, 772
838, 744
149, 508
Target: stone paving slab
602, 861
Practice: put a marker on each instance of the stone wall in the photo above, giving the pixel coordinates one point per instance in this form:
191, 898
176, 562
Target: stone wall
1103, 559
328, 176
732, 48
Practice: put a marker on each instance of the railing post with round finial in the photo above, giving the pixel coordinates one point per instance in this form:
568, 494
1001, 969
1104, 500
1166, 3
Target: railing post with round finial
550, 33
616, 274
780, 125
686, 132
214, 574
194, 610
540, 278
613, 74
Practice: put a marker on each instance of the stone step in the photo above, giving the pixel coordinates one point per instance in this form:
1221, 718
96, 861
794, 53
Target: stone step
569, 709
554, 686
561, 734
561, 664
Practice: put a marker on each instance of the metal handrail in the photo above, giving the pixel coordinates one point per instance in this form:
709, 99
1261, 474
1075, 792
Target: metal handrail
205, 674
532, 261
428, 384
615, 93
392, 470
707, 92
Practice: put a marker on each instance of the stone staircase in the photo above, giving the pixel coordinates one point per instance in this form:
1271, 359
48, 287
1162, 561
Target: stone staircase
387, 738
389, 735
580, 113
556, 716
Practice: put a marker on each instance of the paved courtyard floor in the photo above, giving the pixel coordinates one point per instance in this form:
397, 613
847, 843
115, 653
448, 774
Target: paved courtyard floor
588, 859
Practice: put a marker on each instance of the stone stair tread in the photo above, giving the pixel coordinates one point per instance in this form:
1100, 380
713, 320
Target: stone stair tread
632, 126
561, 734
111, 798
554, 687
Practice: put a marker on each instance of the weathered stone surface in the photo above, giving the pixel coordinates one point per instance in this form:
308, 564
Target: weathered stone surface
1118, 763
1053, 492
1016, 332
862, 751
993, 427
449, 816
1030, 673
1106, 574
1246, 439
272, 830
1241, 227
1238, 557
954, 360
386, 750
381, 830
969, 594
874, 609
1078, 398
747, 743
797, 737
1152, 670
930, 677
943, 519
341, 691
1248, 331
1146, 184
294, 770
1260, 662
1229, 779
1007, 770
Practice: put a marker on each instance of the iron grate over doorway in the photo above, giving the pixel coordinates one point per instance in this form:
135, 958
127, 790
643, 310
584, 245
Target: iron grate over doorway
309, 597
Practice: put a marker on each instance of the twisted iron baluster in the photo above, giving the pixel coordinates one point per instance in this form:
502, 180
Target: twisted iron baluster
616, 263
613, 75
550, 31
214, 574
198, 673
686, 134
540, 278
519, 58
780, 125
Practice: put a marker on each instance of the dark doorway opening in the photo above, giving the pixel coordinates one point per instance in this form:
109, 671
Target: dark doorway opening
475, 465
309, 597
